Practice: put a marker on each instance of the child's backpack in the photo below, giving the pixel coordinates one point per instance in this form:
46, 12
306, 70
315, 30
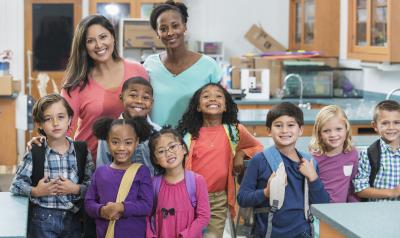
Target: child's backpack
278, 184
38, 158
190, 180
374, 157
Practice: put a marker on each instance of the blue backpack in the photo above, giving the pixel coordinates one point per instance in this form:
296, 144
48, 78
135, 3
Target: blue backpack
273, 157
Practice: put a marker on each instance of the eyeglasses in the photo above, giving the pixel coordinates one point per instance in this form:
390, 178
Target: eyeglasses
172, 149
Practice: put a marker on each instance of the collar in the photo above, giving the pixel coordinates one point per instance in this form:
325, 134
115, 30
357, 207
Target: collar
69, 151
385, 146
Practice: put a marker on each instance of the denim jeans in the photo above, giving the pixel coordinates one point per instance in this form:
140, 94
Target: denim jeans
49, 223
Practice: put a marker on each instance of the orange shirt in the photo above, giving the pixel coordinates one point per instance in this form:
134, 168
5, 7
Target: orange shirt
211, 157
247, 143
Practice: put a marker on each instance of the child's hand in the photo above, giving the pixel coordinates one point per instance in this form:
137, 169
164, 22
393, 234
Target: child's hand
112, 211
66, 186
45, 187
307, 169
37, 140
266, 189
396, 191
238, 164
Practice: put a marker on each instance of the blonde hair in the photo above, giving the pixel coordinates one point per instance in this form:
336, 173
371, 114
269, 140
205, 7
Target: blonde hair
317, 146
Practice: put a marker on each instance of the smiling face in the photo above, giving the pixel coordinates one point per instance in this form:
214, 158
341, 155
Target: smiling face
122, 141
99, 43
171, 29
284, 131
333, 135
169, 152
137, 100
212, 101
387, 125
56, 121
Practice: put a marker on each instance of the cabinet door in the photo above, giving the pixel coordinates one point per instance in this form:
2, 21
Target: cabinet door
8, 138
373, 35
314, 26
49, 29
309, 19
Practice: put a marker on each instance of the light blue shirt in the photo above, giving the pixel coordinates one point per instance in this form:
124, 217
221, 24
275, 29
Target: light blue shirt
141, 154
173, 92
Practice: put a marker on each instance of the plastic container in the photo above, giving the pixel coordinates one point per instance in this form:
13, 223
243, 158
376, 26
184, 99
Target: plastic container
4, 68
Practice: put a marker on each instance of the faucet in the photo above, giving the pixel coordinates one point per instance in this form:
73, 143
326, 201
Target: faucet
391, 92
298, 77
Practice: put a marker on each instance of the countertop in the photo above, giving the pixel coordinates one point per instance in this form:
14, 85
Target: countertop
360, 142
363, 219
360, 116
368, 98
358, 110
13, 215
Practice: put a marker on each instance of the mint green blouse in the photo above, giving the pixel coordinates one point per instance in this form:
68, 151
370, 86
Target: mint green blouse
173, 92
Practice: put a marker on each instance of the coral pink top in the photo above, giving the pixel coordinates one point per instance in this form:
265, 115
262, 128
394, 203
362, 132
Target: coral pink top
95, 101
187, 221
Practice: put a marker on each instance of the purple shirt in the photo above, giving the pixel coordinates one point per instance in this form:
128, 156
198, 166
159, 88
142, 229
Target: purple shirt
336, 173
138, 204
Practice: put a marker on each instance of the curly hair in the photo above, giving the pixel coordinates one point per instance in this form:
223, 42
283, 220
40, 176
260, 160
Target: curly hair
317, 146
192, 119
152, 146
168, 5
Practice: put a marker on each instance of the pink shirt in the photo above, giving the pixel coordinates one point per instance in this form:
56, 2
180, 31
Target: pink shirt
187, 221
95, 101
337, 173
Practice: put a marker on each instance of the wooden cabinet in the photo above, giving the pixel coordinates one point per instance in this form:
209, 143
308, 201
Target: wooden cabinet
314, 25
8, 138
373, 30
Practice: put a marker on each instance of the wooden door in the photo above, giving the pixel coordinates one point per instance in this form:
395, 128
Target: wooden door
49, 28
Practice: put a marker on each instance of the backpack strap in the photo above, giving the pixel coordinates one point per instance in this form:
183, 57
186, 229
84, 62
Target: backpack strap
38, 158
233, 143
273, 157
190, 180
123, 191
187, 138
374, 157
274, 160
81, 153
156, 187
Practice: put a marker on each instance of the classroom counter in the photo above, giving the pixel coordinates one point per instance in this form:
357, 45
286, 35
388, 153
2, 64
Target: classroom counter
13, 215
360, 142
363, 219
